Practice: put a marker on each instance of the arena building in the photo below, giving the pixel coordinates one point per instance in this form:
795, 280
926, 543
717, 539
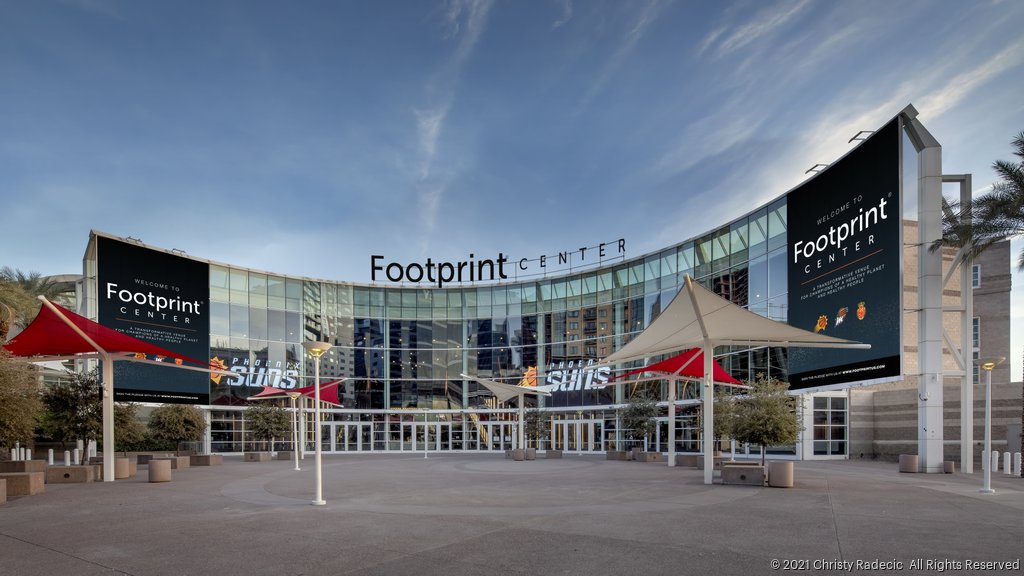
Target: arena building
833, 255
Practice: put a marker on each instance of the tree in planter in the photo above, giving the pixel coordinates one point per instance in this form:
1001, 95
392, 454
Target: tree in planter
536, 427
767, 415
129, 433
172, 424
639, 417
19, 400
73, 409
267, 422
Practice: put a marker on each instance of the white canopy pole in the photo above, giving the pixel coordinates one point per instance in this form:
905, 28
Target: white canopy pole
709, 414
672, 420
522, 421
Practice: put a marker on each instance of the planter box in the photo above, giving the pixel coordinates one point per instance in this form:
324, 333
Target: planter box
651, 457
634, 453
743, 475
530, 454
553, 454
616, 455
518, 454
70, 474
285, 455
3, 491
206, 460
24, 483
257, 456
22, 466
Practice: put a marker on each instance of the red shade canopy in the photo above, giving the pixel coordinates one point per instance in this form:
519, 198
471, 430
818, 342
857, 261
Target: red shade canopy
49, 335
328, 392
689, 364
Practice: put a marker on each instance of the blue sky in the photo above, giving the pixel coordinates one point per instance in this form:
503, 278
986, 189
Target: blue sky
245, 131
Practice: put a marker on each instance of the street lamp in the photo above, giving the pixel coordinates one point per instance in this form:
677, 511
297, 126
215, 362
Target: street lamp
295, 428
987, 364
316, 350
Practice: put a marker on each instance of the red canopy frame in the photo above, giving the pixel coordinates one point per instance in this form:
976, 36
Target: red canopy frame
58, 333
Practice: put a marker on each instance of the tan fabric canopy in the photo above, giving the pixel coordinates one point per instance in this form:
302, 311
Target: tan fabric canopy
697, 315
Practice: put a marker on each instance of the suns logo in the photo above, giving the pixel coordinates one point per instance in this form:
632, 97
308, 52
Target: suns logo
529, 377
219, 364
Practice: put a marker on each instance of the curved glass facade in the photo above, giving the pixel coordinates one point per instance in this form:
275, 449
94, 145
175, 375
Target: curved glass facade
403, 347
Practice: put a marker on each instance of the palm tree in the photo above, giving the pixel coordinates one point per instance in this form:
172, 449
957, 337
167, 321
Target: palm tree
996, 216
991, 218
18, 292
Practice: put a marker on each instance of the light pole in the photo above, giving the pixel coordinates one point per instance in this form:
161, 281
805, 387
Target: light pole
295, 428
987, 364
316, 350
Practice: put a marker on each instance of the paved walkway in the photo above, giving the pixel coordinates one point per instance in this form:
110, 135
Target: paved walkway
482, 514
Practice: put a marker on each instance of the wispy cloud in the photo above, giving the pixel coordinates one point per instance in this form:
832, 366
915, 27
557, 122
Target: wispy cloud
647, 16
465, 21
566, 14
763, 24
960, 86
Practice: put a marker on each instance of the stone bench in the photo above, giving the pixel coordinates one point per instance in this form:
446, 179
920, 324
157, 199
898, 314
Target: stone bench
143, 458
206, 460
743, 475
650, 457
70, 474
692, 460
177, 462
285, 454
716, 463
24, 483
909, 463
257, 456
22, 466
552, 454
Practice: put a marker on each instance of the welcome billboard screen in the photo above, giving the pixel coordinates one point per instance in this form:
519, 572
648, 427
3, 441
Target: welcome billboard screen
845, 265
163, 299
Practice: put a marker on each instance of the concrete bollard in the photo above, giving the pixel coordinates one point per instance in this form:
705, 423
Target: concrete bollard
75, 457
1016, 464
994, 461
67, 458
80, 444
16, 453
91, 452
22, 455
49, 457
1007, 464
159, 470
28, 455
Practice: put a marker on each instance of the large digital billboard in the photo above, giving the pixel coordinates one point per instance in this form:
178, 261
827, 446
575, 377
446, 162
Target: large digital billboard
160, 298
845, 265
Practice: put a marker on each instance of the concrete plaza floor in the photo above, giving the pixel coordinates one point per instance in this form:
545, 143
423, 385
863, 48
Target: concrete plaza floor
482, 514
